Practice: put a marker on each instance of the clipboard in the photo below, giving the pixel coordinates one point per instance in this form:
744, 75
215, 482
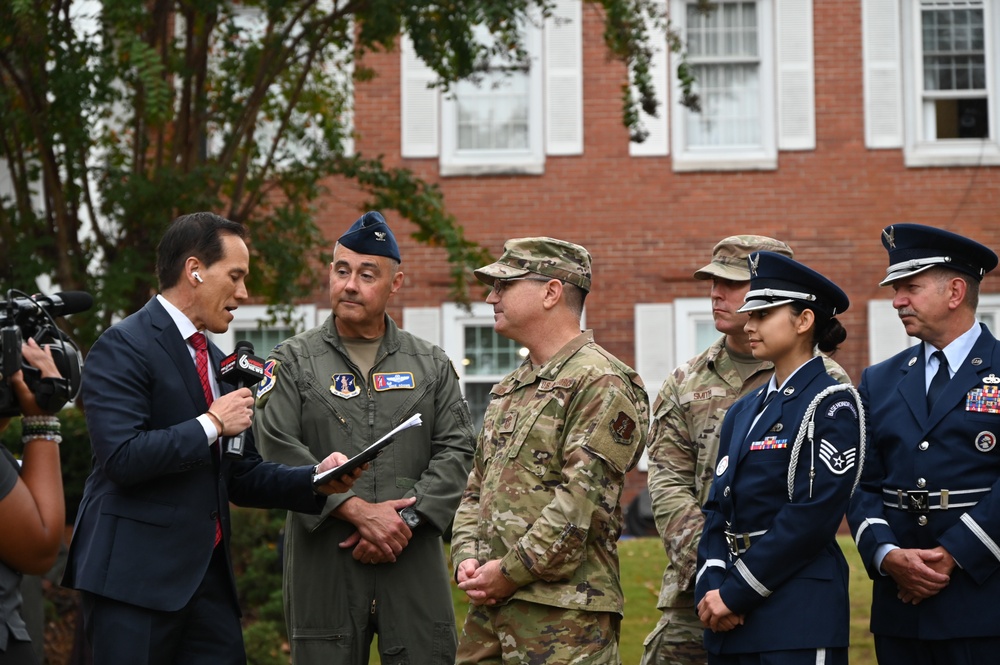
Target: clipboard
366, 455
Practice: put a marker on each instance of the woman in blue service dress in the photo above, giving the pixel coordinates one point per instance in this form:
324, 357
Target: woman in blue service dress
771, 586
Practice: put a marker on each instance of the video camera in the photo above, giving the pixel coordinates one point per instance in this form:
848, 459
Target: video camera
33, 317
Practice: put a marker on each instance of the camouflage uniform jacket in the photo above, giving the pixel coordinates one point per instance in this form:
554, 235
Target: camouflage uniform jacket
544, 492
683, 446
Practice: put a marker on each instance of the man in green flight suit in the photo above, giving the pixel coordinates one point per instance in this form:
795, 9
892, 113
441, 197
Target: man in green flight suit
535, 537
373, 560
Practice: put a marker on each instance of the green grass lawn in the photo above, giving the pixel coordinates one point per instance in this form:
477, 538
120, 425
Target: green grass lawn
642, 562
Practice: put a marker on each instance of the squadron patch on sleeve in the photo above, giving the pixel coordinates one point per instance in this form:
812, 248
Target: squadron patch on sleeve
267, 384
841, 404
614, 435
622, 428
838, 462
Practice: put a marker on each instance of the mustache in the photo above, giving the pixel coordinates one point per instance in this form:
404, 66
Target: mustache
905, 312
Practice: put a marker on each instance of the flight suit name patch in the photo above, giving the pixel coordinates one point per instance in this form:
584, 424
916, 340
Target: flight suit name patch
393, 381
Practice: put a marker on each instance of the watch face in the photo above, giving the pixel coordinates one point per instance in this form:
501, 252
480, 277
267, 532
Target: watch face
410, 517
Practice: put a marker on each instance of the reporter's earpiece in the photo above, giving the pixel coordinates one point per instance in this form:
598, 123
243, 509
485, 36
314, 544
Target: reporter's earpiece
197, 278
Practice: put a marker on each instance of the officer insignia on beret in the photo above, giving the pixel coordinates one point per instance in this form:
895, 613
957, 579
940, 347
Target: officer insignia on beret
622, 428
890, 236
986, 441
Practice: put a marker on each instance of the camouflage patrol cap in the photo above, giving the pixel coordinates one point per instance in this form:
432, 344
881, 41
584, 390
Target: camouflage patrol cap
553, 258
729, 258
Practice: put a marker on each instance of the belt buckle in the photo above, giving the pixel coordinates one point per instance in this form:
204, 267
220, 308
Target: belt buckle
917, 502
733, 543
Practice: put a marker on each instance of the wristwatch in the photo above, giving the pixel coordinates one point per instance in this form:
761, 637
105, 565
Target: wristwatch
411, 517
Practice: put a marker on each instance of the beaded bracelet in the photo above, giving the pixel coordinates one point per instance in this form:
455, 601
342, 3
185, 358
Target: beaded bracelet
40, 427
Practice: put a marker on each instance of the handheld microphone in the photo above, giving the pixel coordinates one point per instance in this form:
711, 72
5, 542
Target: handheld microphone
242, 369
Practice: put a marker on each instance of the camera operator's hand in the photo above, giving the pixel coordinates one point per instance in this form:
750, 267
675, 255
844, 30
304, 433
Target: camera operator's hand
232, 412
39, 357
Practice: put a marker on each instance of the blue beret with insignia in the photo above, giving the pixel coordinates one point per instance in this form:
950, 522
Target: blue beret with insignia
914, 248
777, 280
371, 235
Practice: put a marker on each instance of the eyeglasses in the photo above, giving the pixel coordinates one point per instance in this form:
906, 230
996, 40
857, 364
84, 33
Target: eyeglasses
500, 285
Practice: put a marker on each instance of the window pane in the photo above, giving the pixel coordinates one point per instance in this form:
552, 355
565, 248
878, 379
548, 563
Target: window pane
478, 397
730, 106
959, 118
487, 353
723, 51
954, 46
493, 115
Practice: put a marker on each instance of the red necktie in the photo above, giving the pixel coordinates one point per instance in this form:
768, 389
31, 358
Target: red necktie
200, 345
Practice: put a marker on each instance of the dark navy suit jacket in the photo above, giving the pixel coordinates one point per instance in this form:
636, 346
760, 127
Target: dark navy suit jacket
791, 583
145, 531
954, 448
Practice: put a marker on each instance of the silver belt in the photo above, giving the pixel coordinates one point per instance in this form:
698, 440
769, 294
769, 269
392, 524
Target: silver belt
924, 501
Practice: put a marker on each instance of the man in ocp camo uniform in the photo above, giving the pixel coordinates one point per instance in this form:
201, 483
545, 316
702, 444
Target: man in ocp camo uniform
684, 442
534, 541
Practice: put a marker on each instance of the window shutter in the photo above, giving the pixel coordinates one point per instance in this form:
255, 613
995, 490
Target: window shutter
564, 79
419, 105
880, 25
424, 322
654, 344
886, 335
657, 143
796, 83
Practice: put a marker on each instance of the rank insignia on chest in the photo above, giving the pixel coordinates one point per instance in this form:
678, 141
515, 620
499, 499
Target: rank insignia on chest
393, 381
983, 400
508, 422
769, 443
344, 385
622, 428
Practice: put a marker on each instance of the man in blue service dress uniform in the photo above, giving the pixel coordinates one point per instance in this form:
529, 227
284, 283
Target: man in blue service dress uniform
772, 583
926, 516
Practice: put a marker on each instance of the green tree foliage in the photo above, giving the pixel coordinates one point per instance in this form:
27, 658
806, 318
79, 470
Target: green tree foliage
116, 116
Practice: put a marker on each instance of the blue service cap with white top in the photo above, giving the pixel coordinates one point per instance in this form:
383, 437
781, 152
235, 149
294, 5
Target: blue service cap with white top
778, 280
914, 248
371, 235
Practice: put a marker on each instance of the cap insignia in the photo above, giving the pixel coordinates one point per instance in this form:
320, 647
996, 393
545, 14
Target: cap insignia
380, 236
754, 261
890, 236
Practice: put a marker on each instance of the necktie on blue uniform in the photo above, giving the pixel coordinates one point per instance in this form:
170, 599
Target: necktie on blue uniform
939, 381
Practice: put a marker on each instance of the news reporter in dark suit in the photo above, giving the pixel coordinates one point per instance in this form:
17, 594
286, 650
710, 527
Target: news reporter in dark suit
149, 550
772, 583
926, 517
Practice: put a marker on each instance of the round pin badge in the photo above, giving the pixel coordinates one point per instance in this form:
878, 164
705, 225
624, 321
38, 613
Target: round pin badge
723, 465
986, 441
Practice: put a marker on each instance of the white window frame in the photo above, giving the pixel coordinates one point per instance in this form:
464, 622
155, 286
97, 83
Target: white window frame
555, 45
947, 152
730, 158
530, 160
